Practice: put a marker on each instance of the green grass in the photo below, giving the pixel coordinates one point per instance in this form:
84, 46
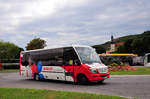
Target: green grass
138, 71
9, 70
16, 93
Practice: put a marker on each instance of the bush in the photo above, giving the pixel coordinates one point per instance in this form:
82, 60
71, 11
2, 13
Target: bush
110, 60
114, 64
121, 67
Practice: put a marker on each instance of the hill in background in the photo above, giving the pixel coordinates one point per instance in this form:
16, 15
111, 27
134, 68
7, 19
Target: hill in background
138, 44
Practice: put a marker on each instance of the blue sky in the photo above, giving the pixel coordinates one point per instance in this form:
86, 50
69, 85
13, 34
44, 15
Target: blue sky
64, 22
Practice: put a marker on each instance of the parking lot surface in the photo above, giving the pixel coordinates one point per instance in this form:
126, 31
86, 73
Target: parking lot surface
125, 85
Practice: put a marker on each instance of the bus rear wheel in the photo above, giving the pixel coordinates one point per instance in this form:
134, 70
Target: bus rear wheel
82, 79
36, 77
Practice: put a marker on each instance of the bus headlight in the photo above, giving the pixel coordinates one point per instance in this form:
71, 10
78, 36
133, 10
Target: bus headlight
93, 70
103, 70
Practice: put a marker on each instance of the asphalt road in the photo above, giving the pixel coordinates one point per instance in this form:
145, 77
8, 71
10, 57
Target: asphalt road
128, 86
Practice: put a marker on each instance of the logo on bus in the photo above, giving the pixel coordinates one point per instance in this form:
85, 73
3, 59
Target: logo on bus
47, 68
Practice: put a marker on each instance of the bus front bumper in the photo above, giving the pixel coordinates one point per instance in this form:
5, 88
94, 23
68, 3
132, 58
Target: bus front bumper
98, 77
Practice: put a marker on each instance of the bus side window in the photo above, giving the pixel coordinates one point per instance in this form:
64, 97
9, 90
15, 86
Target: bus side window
52, 57
59, 58
43, 57
35, 57
70, 57
24, 61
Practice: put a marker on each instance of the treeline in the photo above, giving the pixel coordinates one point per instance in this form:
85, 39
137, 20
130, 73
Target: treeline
137, 44
9, 51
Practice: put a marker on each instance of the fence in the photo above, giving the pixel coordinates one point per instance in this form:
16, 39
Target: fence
9, 63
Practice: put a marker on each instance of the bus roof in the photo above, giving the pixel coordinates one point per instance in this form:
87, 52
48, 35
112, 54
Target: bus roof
118, 55
56, 47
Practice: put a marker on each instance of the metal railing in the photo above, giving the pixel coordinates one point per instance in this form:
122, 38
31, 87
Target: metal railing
9, 63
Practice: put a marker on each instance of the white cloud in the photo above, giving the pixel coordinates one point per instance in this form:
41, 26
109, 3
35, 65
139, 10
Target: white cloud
122, 13
62, 22
63, 39
58, 28
42, 8
17, 13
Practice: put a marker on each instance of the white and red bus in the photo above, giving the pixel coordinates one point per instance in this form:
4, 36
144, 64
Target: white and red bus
147, 59
71, 63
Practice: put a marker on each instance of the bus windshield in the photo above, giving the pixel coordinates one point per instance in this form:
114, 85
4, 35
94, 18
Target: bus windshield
88, 55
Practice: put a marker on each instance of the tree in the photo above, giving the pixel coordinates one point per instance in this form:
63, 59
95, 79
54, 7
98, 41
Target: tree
138, 46
146, 45
121, 49
9, 50
99, 49
141, 45
36, 43
126, 48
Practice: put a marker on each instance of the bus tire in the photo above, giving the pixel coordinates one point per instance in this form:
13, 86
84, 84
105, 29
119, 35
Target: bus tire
36, 77
101, 82
82, 79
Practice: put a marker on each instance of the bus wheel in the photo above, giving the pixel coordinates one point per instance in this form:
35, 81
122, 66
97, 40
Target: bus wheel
36, 77
101, 82
82, 79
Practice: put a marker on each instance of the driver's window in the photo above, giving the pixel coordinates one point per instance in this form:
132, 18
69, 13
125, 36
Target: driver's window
70, 57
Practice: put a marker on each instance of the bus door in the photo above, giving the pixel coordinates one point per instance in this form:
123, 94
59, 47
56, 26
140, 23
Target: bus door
68, 63
23, 65
25, 68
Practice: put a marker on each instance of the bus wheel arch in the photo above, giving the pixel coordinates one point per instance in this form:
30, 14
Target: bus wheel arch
36, 76
82, 79
101, 82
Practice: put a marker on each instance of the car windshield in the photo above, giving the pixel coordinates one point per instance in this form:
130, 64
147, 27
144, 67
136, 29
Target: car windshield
88, 55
